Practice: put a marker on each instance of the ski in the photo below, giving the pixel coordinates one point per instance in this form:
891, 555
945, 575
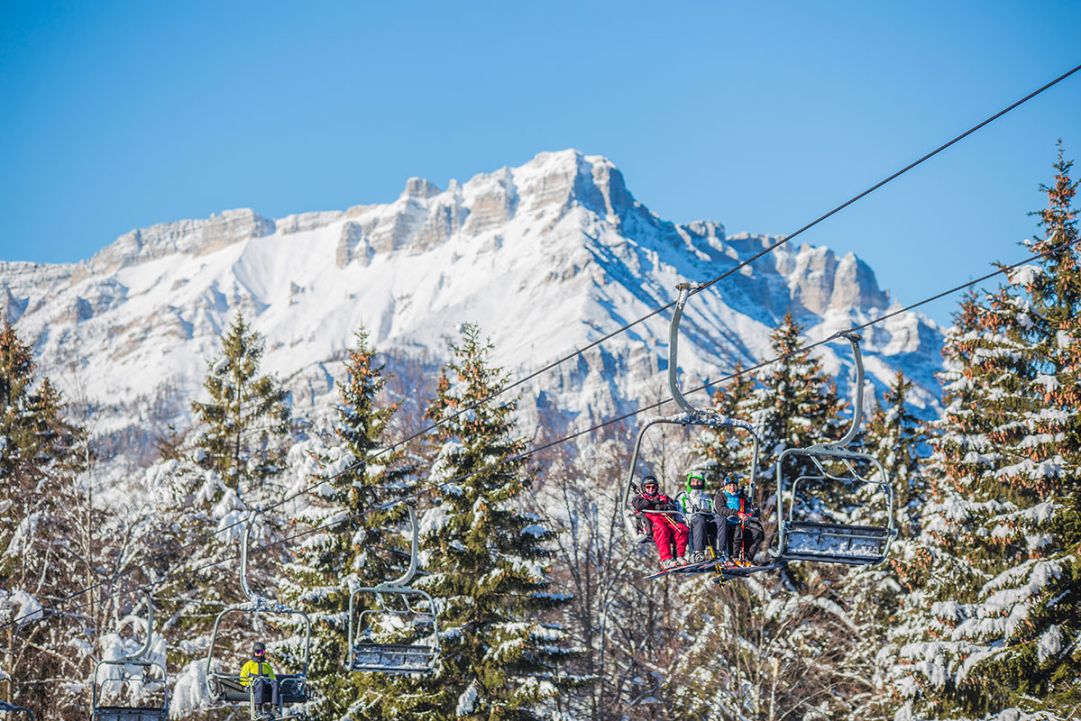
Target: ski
712, 566
700, 567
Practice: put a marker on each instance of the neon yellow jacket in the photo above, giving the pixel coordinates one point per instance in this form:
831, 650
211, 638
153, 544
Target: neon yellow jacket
252, 667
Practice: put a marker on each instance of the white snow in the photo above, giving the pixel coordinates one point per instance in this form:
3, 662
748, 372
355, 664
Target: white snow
433, 521
190, 691
22, 608
1049, 644
467, 702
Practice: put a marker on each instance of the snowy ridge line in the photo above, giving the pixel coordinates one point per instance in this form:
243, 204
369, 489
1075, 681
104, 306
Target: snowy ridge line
39, 615
697, 289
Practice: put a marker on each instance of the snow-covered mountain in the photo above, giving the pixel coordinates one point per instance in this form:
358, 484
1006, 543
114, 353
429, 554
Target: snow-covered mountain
546, 257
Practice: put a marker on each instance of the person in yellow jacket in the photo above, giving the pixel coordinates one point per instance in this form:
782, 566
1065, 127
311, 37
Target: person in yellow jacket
259, 674
257, 665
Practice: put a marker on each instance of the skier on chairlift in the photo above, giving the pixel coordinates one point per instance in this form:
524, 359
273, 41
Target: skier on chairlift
668, 530
696, 505
259, 675
740, 528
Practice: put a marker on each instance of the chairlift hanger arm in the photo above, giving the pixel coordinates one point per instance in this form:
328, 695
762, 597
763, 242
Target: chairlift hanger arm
853, 339
144, 652
673, 348
414, 552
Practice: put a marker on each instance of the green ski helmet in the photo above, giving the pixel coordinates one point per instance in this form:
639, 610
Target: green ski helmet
696, 480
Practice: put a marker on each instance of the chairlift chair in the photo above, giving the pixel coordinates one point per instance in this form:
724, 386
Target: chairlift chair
9, 708
690, 417
102, 711
226, 687
401, 606
804, 539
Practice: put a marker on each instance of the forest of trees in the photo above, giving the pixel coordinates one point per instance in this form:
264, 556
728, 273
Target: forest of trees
542, 605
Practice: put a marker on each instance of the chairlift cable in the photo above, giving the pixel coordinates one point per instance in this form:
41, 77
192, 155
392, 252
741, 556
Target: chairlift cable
1001, 270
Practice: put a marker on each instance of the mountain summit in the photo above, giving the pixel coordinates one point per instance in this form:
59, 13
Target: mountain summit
546, 257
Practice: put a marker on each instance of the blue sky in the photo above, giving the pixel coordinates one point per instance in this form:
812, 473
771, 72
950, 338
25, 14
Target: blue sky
760, 115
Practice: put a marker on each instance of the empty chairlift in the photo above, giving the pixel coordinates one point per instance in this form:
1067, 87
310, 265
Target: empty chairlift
807, 529
397, 631
136, 679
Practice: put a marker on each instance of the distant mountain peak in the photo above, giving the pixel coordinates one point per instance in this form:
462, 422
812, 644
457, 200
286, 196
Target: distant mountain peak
546, 256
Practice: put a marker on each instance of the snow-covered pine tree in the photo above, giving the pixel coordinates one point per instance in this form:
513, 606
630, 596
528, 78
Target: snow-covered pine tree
360, 545
794, 402
896, 436
994, 626
236, 464
244, 424
41, 499
487, 560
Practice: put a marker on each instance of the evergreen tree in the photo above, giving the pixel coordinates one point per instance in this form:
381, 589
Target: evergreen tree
794, 403
895, 436
994, 623
42, 503
359, 546
488, 564
245, 423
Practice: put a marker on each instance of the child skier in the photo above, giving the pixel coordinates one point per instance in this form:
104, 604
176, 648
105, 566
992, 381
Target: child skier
667, 528
696, 505
740, 524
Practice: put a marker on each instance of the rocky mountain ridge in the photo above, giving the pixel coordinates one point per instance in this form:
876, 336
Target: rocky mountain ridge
546, 257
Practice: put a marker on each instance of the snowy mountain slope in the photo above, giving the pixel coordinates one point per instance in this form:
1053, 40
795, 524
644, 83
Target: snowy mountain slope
546, 257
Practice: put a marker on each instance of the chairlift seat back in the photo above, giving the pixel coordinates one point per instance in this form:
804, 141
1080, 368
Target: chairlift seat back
227, 688
835, 543
415, 653
140, 710
393, 657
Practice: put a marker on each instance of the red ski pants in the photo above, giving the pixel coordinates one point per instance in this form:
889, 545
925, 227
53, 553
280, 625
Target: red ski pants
666, 529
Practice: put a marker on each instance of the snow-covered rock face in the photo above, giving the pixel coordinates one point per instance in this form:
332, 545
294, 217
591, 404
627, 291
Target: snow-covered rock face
546, 257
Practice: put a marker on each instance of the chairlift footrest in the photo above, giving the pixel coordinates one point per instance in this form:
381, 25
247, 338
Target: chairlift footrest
123, 713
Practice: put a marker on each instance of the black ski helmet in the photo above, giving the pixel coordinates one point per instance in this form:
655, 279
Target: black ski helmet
650, 479
259, 649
